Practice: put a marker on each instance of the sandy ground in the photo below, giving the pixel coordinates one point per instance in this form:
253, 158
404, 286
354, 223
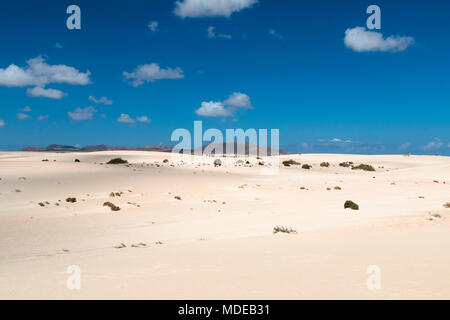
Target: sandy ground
217, 242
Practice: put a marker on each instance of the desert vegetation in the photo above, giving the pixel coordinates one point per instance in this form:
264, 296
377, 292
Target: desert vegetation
291, 162
365, 167
280, 229
350, 204
117, 161
112, 206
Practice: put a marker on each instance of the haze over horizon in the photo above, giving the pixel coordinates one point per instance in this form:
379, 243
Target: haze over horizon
134, 73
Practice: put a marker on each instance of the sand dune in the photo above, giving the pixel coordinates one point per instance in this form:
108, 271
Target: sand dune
215, 240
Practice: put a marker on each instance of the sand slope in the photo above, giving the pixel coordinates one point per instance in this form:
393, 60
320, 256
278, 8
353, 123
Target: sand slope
217, 242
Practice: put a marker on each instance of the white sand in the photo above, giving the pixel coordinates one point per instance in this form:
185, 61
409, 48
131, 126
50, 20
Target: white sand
217, 241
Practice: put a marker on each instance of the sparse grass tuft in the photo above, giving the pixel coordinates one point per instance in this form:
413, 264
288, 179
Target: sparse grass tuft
350, 204
117, 161
365, 167
280, 229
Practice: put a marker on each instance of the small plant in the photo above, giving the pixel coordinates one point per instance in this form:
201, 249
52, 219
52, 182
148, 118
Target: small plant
337, 188
345, 164
288, 163
77, 160
117, 161
217, 163
447, 205
165, 160
325, 164
17, 190
177, 198
306, 166
112, 206
350, 204
41, 204
279, 229
71, 200
365, 167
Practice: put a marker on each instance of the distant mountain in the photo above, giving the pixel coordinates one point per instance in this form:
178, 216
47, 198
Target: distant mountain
245, 148
100, 147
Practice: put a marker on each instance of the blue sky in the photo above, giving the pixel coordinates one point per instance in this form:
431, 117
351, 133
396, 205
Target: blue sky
245, 64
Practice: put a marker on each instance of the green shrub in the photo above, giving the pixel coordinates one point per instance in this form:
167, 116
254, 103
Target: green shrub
306, 166
117, 161
365, 167
71, 200
112, 206
325, 164
350, 204
345, 164
288, 163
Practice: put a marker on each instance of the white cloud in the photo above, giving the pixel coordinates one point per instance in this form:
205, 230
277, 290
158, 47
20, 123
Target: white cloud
210, 8
42, 117
26, 109
359, 39
23, 116
38, 73
143, 119
82, 113
102, 100
226, 108
2, 123
58, 45
152, 72
45, 93
213, 109
153, 26
436, 143
238, 100
212, 34
125, 118
337, 140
